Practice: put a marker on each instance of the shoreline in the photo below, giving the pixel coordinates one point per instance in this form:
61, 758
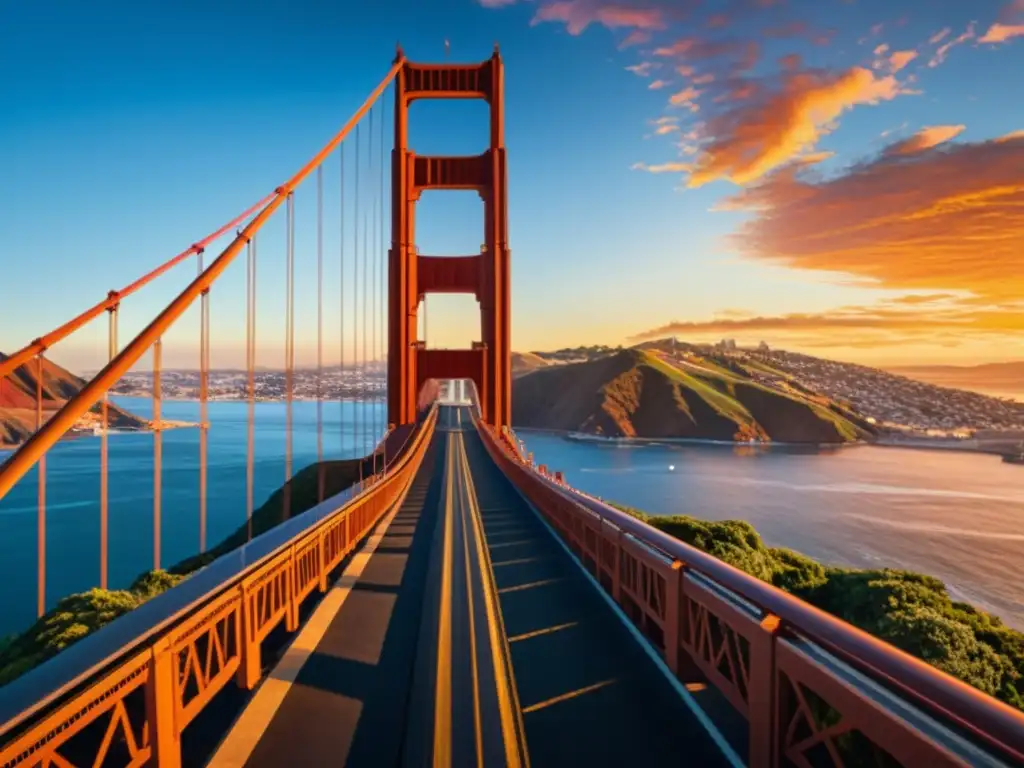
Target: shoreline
917, 444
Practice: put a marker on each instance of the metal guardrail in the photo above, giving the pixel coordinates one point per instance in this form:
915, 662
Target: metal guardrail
176, 651
803, 678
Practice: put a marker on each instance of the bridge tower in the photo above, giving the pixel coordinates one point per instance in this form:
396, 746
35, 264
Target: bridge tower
485, 275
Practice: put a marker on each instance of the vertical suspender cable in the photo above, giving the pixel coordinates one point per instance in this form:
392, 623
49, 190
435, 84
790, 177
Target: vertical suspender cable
104, 452
289, 354
319, 333
372, 398
250, 370
366, 292
204, 392
381, 286
341, 298
157, 453
41, 500
357, 406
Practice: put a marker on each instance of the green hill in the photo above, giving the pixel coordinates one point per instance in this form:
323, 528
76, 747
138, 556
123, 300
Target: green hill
650, 393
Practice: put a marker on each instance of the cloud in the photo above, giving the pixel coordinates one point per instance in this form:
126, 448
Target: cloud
945, 48
1000, 33
636, 37
495, 3
899, 59
879, 50
926, 138
643, 69
577, 15
919, 298
906, 320
939, 219
684, 97
757, 137
742, 53
939, 36
658, 84
662, 168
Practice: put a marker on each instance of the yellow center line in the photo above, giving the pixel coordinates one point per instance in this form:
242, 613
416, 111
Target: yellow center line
478, 727
567, 696
508, 702
443, 688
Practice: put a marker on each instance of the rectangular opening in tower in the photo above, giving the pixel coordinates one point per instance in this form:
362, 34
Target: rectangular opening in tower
449, 223
449, 127
449, 321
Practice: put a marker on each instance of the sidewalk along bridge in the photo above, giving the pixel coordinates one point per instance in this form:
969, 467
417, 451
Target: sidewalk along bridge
456, 605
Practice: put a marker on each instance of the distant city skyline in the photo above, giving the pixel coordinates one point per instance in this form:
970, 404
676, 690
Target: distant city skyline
837, 178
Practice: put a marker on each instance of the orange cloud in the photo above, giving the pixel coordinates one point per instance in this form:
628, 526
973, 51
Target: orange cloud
658, 84
704, 79
899, 59
926, 138
1000, 33
939, 36
685, 96
914, 320
946, 220
577, 15
755, 138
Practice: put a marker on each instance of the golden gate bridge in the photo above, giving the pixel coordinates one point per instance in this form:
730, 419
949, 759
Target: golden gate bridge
457, 604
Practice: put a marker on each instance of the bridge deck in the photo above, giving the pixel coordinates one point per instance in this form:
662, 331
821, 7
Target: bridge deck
384, 666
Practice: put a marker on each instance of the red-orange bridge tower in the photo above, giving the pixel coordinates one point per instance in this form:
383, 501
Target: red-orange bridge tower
485, 275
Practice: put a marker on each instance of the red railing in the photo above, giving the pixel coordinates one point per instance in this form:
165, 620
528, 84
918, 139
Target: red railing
147, 694
803, 679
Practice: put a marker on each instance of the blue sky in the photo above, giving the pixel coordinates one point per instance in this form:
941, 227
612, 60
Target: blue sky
130, 131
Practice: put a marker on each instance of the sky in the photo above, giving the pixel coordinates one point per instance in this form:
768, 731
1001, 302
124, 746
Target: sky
839, 177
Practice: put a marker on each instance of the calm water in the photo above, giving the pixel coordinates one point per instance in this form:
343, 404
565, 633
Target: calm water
956, 516
72, 509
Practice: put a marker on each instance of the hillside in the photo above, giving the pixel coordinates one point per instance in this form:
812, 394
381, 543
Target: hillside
18, 402
648, 393
525, 362
994, 379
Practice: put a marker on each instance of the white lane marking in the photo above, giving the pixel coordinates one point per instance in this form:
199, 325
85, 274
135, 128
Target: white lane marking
241, 741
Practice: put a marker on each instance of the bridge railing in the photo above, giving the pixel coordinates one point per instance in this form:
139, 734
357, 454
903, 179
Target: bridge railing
140, 681
813, 689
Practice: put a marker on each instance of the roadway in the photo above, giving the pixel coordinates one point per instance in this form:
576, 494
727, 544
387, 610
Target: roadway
464, 633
